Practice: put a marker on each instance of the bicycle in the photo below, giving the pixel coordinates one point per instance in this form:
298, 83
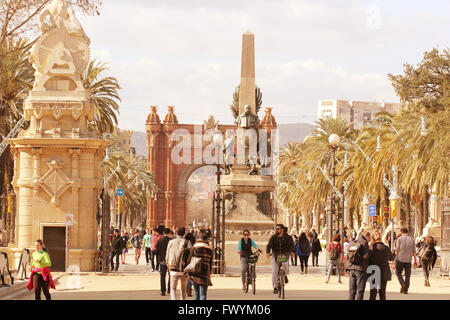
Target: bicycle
281, 274
250, 275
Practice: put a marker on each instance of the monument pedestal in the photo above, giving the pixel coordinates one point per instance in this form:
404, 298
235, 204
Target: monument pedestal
245, 213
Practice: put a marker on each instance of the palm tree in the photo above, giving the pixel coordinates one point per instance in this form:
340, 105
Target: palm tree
103, 93
133, 176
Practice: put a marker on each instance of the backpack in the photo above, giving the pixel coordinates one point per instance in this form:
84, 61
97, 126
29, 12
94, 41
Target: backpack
184, 257
354, 255
334, 254
304, 246
425, 252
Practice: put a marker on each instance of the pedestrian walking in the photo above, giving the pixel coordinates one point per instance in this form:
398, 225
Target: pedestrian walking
316, 248
380, 255
136, 242
191, 238
147, 245
124, 246
335, 253
116, 249
161, 251
41, 278
427, 257
357, 262
176, 252
157, 235
303, 251
344, 257
354, 234
295, 257
405, 249
202, 279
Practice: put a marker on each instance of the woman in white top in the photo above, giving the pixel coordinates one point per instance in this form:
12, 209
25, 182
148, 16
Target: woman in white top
346, 243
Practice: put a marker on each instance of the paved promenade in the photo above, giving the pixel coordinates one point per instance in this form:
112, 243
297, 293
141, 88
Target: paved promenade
139, 282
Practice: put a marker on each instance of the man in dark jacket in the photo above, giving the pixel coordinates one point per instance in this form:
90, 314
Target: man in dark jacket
380, 256
116, 249
358, 268
280, 244
161, 250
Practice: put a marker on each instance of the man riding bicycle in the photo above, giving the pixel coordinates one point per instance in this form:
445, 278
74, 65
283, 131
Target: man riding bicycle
281, 244
245, 250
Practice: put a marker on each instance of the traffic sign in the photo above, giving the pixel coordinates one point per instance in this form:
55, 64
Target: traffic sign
372, 210
120, 192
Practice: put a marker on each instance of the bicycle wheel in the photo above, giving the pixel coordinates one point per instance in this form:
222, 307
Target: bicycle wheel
281, 283
253, 272
247, 282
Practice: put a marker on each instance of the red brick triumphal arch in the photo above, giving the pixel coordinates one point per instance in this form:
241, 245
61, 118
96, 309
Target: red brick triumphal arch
168, 205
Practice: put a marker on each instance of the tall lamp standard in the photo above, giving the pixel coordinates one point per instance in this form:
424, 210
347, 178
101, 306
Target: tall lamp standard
334, 140
219, 243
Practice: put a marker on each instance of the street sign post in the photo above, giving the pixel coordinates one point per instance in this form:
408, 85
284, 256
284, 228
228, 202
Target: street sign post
372, 210
120, 192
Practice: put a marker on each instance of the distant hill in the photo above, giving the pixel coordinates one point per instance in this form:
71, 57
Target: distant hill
290, 132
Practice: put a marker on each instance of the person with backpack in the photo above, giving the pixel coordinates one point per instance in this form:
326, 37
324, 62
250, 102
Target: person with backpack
245, 250
405, 249
334, 254
316, 248
427, 256
200, 275
380, 255
178, 252
303, 250
357, 262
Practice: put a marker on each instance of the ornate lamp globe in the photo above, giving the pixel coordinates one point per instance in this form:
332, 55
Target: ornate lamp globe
217, 139
334, 140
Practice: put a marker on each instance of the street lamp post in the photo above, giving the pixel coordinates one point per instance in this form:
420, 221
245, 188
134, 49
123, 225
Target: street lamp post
219, 245
334, 140
106, 220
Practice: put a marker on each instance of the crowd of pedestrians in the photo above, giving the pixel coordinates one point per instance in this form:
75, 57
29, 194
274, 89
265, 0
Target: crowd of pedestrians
183, 257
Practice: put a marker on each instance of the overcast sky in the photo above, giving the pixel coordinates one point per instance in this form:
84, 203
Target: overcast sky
187, 53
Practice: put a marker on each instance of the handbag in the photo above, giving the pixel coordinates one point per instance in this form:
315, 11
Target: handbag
194, 266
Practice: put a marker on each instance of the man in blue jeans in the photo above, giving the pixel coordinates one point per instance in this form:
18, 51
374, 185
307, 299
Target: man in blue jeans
161, 250
405, 249
357, 266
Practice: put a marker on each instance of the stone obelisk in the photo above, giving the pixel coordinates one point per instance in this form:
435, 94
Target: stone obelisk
57, 160
247, 86
246, 185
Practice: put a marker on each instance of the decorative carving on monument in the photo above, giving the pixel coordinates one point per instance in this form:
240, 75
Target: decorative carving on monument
55, 182
60, 14
62, 50
210, 124
57, 113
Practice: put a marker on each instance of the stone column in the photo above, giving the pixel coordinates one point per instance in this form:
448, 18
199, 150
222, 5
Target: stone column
347, 213
433, 227
365, 212
315, 223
